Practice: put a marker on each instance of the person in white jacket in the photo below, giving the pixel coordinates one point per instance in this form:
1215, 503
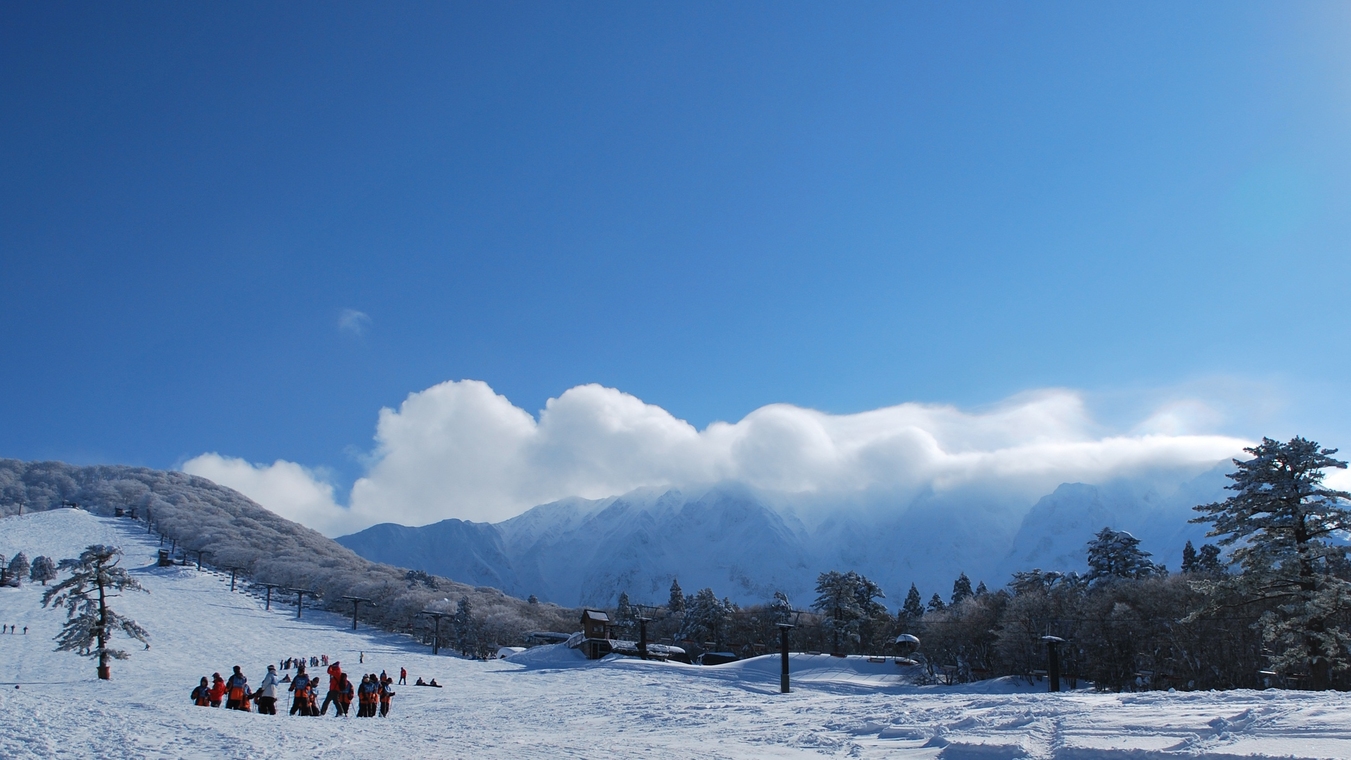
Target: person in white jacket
266, 695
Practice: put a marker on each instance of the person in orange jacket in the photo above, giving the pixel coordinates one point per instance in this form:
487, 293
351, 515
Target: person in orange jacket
345, 694
217, 692
334, 691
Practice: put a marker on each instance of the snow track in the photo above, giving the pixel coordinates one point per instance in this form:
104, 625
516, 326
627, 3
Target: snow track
546, 702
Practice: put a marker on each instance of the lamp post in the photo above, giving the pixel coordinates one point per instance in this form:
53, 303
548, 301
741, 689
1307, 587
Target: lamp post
1053, 661
356, 603
436, 637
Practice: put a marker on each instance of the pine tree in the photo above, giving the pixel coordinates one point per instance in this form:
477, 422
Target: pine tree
43, 570
961, 589
1208, 560
1189, 558
1116, 554
90, 622
18, 568
849, 600
1205, 560
705, 617
677, 603
626, 617
936, 603
913, 608
780, 609
1282, 524
464, 627
532, 600
981, 590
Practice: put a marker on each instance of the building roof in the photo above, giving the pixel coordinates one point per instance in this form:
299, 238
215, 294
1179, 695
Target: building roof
596, 615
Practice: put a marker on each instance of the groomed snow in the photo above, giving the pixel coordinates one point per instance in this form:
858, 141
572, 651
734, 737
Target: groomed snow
549, 702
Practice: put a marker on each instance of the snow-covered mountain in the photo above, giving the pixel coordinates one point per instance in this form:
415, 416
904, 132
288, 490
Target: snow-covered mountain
746, 544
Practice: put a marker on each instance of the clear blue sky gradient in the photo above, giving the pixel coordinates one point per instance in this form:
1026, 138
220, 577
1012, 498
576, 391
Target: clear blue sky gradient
712, 206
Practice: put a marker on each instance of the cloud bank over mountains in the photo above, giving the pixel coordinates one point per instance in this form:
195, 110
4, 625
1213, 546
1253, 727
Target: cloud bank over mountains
458, 449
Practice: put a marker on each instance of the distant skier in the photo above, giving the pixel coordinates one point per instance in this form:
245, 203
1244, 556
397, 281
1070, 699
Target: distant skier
403, 676
237, 691
361, 658
267, 692
201, 696
217, 689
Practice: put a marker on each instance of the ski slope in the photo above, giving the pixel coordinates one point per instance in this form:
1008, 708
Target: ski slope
547, 702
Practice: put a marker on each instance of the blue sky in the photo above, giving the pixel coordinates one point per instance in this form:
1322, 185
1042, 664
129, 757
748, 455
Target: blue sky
246, 228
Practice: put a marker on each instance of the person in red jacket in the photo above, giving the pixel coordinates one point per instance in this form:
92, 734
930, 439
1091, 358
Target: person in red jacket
217, 692
334, 690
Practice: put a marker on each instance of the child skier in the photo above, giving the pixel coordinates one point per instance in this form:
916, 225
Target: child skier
201, 696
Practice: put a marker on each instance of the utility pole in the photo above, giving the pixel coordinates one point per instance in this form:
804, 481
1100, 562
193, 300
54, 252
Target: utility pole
436, 637
356, 603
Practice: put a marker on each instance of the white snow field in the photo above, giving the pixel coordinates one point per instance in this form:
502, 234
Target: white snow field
547, 702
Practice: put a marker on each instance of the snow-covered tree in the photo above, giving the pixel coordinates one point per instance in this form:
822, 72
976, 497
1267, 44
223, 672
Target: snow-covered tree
848, 599
706, 617
913, 608
1206, 560
90, 622
626, 617
1116, 554
464, 627
532, 600
780, 609
43, 570
981, 590
1282, 523
677, 602
936, 603
961, 589
19, 567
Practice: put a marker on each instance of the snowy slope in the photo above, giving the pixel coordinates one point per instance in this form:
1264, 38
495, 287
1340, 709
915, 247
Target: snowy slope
547, 702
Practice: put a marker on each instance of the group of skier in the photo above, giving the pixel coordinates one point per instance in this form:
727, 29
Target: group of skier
373, 695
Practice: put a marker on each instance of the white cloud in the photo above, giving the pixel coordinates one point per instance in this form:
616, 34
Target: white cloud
460, 450
286, 488
354, 322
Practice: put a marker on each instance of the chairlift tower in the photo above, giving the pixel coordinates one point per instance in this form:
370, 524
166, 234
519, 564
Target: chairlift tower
436, 636
356, 603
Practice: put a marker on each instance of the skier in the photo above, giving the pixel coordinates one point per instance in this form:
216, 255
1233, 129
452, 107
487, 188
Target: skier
237, 691
323, 658
217, 689
403, 676
386, 694
312, 696
361, 658
267, 692
369, 695
300, 704
201, 696
345, 694
334, 675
